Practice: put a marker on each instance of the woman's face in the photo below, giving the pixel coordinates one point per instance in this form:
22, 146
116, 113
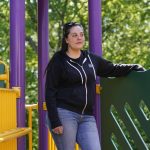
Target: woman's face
75, 39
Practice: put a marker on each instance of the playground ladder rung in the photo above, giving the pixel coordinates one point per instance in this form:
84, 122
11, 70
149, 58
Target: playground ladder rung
14, 133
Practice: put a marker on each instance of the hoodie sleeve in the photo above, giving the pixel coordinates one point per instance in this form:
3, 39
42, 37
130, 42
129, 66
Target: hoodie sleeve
51, 86
105, 68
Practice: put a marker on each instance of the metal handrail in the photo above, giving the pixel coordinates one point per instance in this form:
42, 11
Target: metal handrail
30, 108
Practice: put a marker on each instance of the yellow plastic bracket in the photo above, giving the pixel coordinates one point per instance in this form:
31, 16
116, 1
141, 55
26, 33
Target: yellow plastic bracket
98, 89
44, 106
18, 91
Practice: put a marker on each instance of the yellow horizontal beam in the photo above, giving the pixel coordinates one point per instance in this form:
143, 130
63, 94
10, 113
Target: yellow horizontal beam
31, 106
35, 106
14, 133
3, 77
14, 89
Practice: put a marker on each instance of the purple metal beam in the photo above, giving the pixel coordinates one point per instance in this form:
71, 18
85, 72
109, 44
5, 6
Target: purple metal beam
43, 46
95, 42
17, 59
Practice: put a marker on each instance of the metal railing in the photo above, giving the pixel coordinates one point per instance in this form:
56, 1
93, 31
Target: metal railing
125, 107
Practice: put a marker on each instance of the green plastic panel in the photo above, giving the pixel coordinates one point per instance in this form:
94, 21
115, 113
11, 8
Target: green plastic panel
125, 107
2, 70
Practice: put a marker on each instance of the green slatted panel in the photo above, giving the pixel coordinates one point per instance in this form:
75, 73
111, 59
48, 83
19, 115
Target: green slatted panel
2, 71
125, 107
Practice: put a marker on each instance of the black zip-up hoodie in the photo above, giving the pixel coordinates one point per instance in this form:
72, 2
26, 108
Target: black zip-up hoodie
71, 83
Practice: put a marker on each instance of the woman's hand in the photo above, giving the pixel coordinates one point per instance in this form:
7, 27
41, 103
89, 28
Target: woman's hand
58, 130
139, 68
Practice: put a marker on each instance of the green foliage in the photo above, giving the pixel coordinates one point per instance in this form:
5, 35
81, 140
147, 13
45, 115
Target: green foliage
125, 27
4, 31
126, 31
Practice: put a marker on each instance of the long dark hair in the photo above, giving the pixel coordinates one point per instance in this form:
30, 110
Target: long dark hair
66, 31
64, 45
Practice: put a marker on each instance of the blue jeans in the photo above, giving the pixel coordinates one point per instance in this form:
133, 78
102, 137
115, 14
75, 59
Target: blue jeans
77, 128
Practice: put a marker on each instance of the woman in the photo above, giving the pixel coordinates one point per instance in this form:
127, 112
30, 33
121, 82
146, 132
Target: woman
70, 90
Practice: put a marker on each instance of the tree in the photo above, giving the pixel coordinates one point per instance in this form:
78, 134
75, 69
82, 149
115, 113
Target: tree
125, 29
4, 31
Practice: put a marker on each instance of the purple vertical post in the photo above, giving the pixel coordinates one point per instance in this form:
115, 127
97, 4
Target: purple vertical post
17, 59
43, 46
95, 41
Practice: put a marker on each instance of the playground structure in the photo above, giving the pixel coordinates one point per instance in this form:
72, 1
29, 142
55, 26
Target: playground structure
13, 109
17, 68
